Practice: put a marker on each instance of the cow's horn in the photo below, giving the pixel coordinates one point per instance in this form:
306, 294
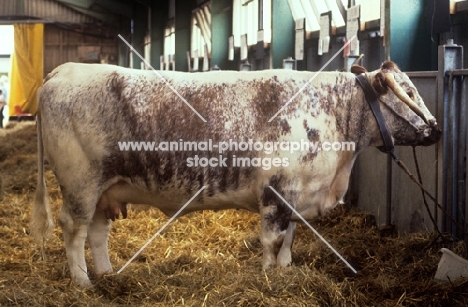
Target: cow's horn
400, 93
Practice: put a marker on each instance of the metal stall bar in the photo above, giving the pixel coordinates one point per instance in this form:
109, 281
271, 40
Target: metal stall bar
459, 211
457, 113
464, 97
450, 58
453, 120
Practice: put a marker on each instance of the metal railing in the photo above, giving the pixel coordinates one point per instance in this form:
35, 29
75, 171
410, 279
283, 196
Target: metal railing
453, 80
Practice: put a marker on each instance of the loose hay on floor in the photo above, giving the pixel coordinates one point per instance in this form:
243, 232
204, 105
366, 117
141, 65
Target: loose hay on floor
212, 258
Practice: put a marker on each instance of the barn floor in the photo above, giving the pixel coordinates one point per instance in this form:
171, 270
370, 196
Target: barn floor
212, 258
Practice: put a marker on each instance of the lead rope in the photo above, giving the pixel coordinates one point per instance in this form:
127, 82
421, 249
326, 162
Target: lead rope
424, 191
416, 163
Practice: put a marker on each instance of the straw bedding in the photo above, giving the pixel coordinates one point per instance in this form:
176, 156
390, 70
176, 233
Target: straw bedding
212, 258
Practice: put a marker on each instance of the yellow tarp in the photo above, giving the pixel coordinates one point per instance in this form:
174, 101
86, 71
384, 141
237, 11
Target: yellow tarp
27, 67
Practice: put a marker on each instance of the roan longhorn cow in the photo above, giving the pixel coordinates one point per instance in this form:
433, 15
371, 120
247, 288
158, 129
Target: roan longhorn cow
85, 110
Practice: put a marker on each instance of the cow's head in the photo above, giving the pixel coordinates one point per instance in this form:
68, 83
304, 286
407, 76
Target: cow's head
408, 119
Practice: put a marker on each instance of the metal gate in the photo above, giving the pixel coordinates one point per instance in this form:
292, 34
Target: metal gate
392, 196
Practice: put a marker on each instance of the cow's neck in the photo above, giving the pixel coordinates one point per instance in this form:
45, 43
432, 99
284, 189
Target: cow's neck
357, 122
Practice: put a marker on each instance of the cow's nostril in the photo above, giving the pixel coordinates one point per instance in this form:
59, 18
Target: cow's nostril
433, 137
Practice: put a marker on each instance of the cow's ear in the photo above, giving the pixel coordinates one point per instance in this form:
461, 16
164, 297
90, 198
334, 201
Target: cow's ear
379, 84
389, 66
358, 69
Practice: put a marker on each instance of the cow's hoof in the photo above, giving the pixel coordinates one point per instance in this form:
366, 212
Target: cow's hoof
284, 259
104, 272
83, 283
268, 265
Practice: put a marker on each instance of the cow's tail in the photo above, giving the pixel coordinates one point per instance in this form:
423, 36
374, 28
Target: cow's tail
42, 223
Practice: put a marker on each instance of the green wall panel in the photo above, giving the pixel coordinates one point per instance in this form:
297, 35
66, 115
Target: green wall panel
159, 14
410, 41
183, 15
140, 25
282, 41
221, 29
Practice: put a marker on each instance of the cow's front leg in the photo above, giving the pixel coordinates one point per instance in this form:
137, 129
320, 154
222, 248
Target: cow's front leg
284, 256
98, 236
276, 230
74, 233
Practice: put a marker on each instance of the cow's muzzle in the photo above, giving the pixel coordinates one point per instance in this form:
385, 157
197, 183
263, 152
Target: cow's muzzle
432, 134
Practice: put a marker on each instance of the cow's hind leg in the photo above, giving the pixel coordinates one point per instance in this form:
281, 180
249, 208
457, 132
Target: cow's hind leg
277, 231
74, 224
98, 235
74, 219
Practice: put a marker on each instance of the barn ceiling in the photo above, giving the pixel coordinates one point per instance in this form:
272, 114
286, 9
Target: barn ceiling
107, 11
98, 14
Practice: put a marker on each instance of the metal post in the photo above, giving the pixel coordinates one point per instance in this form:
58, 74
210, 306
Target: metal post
461, 148
464, 98
450, 58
